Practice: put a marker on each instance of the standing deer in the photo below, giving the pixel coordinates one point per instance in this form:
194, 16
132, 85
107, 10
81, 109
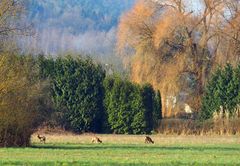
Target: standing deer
42, 138
148, 140
96, 140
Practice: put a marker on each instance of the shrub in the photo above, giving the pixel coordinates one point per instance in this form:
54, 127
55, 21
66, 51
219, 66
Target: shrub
129, 107
23, 99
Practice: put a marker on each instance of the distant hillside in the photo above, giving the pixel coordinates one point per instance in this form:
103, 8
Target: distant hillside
87, 26
80, 15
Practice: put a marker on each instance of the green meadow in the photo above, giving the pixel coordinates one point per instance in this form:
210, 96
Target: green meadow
126, 150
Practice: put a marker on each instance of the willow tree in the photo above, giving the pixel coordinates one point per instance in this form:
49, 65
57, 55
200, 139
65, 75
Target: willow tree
229, 32
176, 47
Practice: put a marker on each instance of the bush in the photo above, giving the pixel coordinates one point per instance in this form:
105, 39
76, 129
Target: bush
77, 92
222, 92
80, 89
129, 107
23, 99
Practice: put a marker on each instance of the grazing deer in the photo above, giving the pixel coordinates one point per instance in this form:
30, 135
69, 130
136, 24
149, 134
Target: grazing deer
96, 140
42, 138
148, 140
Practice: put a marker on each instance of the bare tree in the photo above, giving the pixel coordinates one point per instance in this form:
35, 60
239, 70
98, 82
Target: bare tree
11, 21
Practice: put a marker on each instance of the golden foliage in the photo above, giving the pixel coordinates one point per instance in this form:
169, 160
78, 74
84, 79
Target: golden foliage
138, 24
165, 28
169, 40
20, 93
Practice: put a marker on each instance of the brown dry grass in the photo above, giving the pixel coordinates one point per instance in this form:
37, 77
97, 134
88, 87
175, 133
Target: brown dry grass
170, 131
193, 127
137, 139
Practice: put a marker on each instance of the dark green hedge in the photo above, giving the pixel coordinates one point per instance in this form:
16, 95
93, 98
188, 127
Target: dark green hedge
77, 91
130, 107
87, 101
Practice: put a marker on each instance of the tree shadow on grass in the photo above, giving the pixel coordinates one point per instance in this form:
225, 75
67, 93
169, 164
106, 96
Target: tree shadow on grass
134, 147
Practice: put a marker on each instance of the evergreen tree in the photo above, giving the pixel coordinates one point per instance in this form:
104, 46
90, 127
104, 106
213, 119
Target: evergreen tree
148, 97
77, 92
222, 92
236, 85
157, 114
129, 106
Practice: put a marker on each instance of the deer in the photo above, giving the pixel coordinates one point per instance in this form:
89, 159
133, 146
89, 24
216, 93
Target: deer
148, 140
96, 140
42, 138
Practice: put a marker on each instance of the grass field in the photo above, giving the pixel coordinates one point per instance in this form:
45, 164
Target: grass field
126, 150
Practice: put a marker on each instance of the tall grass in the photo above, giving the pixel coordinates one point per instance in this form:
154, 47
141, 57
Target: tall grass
216, 126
